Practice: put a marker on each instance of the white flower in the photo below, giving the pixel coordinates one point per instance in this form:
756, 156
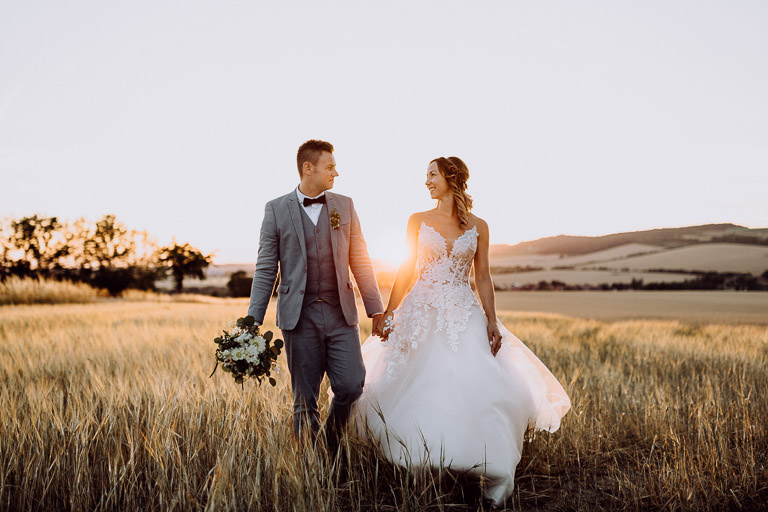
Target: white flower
260, 344
238, 353
243, 338
251, 354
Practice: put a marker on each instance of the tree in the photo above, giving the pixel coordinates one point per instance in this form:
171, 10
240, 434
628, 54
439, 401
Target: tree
43, 242
113, 257
184, 261
106, 244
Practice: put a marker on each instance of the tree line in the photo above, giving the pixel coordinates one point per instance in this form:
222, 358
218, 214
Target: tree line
703, 281
105, 254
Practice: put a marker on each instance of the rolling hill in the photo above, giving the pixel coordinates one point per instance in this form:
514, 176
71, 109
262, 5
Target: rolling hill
619, 258
566, 245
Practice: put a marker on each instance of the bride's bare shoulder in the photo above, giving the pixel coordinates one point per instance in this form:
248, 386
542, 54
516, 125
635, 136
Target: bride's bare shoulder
418, 217
478, 223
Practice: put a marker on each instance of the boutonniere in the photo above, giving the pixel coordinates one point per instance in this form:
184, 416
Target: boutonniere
335, 219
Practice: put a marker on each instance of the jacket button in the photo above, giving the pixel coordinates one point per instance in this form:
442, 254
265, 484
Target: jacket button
301, 292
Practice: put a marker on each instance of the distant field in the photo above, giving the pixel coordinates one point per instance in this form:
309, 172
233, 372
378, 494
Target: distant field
707, 257
550, 260
633, 261
686, 306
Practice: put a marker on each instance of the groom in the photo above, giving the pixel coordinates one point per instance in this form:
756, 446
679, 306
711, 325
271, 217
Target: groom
314, 237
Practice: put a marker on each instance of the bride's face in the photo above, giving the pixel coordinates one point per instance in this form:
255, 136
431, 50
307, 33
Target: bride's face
436, 183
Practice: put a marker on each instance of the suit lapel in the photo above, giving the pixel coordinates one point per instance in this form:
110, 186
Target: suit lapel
294, 208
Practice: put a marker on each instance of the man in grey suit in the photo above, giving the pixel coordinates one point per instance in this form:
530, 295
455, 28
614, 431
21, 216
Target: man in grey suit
314, 238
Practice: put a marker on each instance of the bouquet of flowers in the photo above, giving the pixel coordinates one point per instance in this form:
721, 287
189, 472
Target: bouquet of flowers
245, 352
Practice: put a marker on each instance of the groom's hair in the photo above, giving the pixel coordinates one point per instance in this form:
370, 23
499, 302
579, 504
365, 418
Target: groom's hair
310, 152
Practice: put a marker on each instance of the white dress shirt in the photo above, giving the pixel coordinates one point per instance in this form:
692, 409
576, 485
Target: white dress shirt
312, 210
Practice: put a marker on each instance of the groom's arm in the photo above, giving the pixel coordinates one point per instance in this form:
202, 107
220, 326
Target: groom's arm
362, 267
266, 266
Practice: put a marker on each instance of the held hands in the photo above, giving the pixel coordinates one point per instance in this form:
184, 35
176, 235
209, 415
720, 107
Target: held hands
384, 325
377, 324
494, 337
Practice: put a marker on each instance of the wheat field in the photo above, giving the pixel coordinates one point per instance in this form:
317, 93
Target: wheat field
16, 290
108, 406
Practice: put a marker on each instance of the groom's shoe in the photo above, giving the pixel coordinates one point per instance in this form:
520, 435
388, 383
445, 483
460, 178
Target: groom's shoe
331, 442
333, 433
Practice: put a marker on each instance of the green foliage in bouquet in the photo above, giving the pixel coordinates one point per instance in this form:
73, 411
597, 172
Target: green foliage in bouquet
245, 352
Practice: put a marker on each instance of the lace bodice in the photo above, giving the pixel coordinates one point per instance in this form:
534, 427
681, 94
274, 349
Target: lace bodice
441, 299
440, 265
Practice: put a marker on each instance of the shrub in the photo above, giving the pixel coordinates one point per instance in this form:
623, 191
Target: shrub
240, 284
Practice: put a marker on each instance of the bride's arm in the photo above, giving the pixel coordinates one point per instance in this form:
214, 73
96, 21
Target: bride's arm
406, 274
484, 285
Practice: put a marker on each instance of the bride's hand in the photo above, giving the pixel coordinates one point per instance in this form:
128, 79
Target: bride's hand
494, 337
385, 326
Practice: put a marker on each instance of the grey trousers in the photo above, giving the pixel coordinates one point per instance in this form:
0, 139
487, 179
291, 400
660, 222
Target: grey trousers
322, 342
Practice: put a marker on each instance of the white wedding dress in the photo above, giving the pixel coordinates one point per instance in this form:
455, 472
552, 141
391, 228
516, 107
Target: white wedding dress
435, 395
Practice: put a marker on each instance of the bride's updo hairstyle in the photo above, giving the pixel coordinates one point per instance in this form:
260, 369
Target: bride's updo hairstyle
455, 172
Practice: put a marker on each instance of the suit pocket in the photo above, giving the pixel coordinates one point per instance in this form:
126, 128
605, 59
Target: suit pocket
283, 288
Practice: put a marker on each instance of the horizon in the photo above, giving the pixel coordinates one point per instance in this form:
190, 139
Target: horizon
389, 264
588, 119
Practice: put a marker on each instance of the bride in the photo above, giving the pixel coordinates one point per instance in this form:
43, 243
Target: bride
446, 384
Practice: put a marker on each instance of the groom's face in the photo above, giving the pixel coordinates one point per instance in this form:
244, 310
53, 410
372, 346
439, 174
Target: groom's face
324, 172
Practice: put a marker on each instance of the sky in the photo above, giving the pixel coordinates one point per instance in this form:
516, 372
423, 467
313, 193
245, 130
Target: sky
574, 117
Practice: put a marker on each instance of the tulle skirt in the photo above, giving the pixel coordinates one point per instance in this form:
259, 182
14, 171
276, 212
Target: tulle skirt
459, 407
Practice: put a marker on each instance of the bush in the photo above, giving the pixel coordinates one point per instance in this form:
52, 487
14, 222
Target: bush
117, 280
239, 284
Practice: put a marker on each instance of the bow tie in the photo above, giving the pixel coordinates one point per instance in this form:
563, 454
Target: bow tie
320, 199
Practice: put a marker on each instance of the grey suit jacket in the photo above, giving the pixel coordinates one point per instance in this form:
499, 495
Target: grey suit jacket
282, 245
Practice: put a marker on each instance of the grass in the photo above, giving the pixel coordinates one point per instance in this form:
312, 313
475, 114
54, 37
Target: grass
15, 290
109, 406
24, 291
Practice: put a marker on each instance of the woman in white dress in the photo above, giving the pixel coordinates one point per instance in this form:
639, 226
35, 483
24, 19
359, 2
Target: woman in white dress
447, 385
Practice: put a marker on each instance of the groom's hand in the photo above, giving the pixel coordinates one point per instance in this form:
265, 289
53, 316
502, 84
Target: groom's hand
376, 325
